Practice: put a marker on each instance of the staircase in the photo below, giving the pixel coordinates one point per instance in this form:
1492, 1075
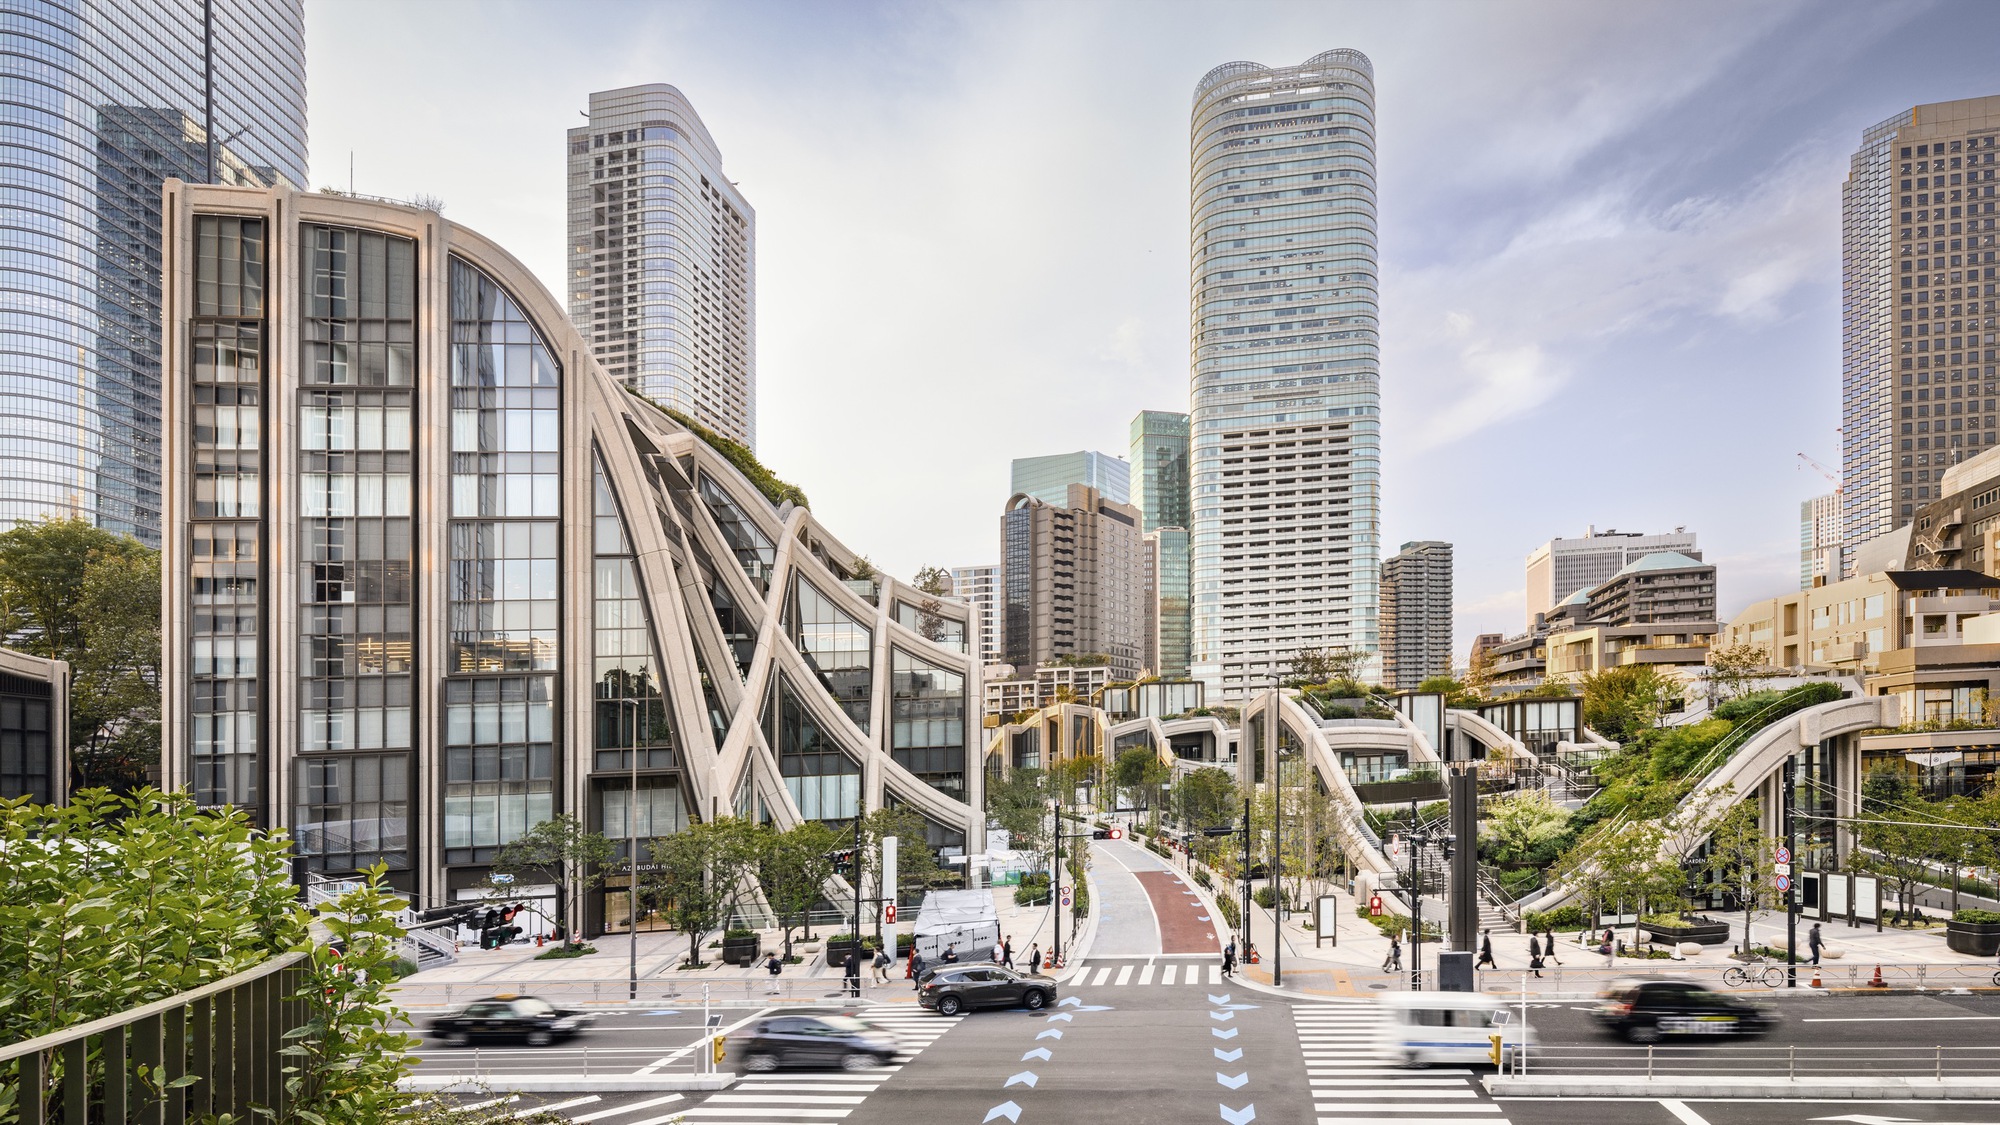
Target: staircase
1492, 901
426, 948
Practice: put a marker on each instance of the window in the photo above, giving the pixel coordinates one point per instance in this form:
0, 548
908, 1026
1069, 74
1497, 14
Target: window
838, 648
27, 759
353, 811
754, 550
925, 621
927, 722
499, 762
631, 708
823, 780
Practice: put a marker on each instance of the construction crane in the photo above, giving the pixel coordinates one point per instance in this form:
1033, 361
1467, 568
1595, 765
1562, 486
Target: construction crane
1822, 470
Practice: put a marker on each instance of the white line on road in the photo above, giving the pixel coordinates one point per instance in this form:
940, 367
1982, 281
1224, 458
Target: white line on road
1896, 1019
1679, 1109
702, 1042
633, 1108
1168, 976
1124, 975
570, 1104
1146, 974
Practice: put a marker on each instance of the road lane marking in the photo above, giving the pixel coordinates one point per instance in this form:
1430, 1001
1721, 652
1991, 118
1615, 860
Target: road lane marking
1679, 1109
1146, 974
570, 1104
1896, 1019
1214, 973
1167, 977
1103, 975
1398, 1107
1124, 975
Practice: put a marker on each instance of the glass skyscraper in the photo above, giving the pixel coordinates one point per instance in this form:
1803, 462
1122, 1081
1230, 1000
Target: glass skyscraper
107, 101
663, 258
1286, 472
1048, 478
1160, 492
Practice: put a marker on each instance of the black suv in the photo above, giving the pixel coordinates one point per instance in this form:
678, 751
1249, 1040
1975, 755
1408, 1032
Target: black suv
952, 989
523, 1017
789, 1040
1645, 1011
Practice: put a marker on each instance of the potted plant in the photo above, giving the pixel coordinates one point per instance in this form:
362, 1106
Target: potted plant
1685, 927
839, 945
741, 947
1974, 932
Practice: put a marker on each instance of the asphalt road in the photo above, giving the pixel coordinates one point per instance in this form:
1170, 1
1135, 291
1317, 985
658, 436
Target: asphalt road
619, 1042
1762, 1111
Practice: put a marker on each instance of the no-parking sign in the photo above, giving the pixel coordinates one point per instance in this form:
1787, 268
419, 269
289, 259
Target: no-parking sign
1066, 896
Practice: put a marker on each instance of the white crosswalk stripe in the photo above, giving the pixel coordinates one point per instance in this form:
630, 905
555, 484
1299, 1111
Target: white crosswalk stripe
785, 1097
1355, 1083
1143, 972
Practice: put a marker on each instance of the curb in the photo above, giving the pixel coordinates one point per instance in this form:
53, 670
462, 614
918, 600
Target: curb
1079, 946
1817, 1089
564, 1084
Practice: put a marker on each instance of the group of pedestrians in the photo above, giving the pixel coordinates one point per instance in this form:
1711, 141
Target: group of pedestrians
1541, 950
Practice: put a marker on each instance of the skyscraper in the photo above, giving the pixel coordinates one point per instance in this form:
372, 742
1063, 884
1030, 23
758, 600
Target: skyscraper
1048, 478
1160, 492
663, 258
1917, 298
1416, 614
979, 587
1561, 567
1072, 580
1286, 429
1820, 554
106, 102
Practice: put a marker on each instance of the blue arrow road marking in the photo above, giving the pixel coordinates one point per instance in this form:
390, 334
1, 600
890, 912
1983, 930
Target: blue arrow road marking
1233, 1081
1095, 1008
1229, 1056
1234, 1116
1051, 1033
1218, 1001
1223, 1032
1026, 1078
1064, 1016
1222, 1015
1010, 1111
1201, 917
1041, 1053
1069, 1002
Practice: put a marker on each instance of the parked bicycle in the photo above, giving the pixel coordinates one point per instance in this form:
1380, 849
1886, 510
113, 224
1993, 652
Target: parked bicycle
1771, 976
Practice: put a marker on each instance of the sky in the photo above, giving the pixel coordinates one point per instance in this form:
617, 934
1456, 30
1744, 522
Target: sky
1610, 234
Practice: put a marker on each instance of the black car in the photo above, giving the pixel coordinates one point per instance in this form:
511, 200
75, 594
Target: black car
799, 1040
514, 1017
956, 988
1645, 1011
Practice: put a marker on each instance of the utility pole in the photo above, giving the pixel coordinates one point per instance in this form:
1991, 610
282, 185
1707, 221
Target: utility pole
1791, 882
1055, 877
1277, 844
1248, 899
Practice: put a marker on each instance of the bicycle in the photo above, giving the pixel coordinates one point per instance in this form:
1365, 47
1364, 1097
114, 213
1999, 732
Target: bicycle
1737, 976
1996, 980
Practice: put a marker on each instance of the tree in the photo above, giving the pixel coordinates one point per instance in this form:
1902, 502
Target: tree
1732, 669
796, 866
564, 852
1519, 827
1206, 798
916, 864
1901, 835
936, 583
1457, 694
1319, 665
933, 580
1132, 770
1019, 805
1622, 702
698, 874
1479, 673
70, 591
1739, 862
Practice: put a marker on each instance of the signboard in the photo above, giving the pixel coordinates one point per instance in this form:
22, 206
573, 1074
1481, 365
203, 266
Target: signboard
1374, 906
1066, 896
889, 913
1784, 882
1784, 854
1326, 920
1781, 869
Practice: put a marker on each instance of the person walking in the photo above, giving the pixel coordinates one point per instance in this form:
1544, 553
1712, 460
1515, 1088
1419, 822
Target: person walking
774, 966
1035, 958
1549, 946
1393, 963
882, 963
1535, 954
1814, 943
1609, 948
1007, 951
1486, 960
851, 971
916, 968
1229, 957
951, 954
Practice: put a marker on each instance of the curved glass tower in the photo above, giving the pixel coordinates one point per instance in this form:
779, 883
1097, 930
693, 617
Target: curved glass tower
105, 102
1286, 474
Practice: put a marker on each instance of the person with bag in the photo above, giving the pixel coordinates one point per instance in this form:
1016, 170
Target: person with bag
882, 963
1535, 954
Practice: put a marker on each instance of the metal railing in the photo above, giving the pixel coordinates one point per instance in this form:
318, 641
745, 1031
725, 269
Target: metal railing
1738, 1059
653, 991
124, 1068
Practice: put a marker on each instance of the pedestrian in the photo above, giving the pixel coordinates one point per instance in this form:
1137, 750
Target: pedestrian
851, 970
1814, 943
951, 954
1535, 954
774, 966
1007, 951
1393, 963
1549, 946
1035, 958
916, 969
882, 963
1229, 957
1609, 949
1486, 960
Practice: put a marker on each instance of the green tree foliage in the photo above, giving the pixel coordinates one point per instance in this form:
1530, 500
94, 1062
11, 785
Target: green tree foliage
1621, 703
1019, 804
699, 873
1206, 798
917, 866
1739, 861
1140, 771
1733, 669
739, 455
1902, 834
794, 867
562, 851
1324, 664
1457, 693
344, 1062
1525, 827
71, 591
933, 580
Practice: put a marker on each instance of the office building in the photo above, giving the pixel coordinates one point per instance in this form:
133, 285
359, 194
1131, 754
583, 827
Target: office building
1072, 581
1160, 492
979, 588
1048, 478
1918, 287
1062, 681
108, 101
663, 258
1285, 468
1820, 549
1561, 567
426, 593
34, 728
1416, 614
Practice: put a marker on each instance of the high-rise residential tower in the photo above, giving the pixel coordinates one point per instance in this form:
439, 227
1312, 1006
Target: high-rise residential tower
1561, 567
663, 258
1072, 581
979, 587
1160, 492
1286, 426
1416, 614
1917, 297
1820, 554
106, 102
1048, 478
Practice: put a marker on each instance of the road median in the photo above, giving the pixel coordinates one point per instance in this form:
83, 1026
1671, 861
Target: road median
1742, 1086
557, 1083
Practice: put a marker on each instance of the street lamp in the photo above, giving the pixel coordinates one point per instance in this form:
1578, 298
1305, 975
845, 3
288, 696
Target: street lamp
632, 861
1420, 838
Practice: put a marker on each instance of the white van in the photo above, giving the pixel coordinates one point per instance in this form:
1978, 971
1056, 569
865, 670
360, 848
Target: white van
1450, 1027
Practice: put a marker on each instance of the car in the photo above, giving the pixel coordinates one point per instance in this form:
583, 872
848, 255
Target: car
513, 1017
1646, 1011
958, 988
1420, 1028
813, 1040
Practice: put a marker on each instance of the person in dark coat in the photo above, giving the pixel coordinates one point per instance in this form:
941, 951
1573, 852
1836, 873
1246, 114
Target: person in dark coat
1549, 946
1035, 958
1486, 960
1393, 963
1229, 957
851, 970
1535, 954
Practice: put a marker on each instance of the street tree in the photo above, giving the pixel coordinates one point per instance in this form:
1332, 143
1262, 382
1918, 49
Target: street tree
1139, 771
794, 867
1519, 827
1739, 862
1319, 664
1622, 702
1458, 694
1734, 669
564, 852
698, 875
1019, 805
1901, 836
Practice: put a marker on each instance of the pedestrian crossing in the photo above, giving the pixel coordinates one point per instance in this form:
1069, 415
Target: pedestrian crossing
783, 1097
1355, 1083
1146, 972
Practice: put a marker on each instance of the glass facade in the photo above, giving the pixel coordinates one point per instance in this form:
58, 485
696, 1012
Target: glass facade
927, 722
823, 779
505, 578
1285, 470
27, 748
631, 709
839, 649
105, 102
1048, 478
227, 334
753, 549
353, 811
1160, 468
925, 621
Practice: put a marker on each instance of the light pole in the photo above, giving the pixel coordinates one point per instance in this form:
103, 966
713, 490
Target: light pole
632, 862
1420, 838
1277, 838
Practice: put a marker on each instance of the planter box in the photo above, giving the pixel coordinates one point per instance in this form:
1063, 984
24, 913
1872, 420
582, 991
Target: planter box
1399, 792
837, 951
741, 951
1975, 939
1701, 932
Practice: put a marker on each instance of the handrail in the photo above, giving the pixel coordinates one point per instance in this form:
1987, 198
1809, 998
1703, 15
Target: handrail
54, 1039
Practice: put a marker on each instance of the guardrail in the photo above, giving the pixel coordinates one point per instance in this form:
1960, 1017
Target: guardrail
1585, 973
653, 991
477, 1063
227, 1035
1739, 1059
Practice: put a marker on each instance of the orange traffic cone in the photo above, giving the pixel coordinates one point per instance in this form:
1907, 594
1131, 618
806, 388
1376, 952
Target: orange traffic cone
1815, 980
1878, 982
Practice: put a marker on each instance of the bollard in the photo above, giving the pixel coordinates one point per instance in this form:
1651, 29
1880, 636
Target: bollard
586, 1062
1792, 1063
1649, 1062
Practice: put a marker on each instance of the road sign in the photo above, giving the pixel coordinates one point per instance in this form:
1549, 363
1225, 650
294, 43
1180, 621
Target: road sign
500, 880
1781, 868
1784, 854
1066, 894
1784, 882
889, 912
1374, 906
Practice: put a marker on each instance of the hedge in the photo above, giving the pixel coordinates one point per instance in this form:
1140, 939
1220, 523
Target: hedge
1561, 918
1973, 917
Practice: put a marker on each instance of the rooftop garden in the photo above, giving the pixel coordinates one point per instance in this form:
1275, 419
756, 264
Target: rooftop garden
775, 490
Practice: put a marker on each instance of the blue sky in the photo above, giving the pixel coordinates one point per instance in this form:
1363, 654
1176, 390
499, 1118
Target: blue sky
1610, 233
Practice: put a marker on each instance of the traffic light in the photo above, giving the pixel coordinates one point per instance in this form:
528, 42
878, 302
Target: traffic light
843, 862
1107, 834
1495, 1040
